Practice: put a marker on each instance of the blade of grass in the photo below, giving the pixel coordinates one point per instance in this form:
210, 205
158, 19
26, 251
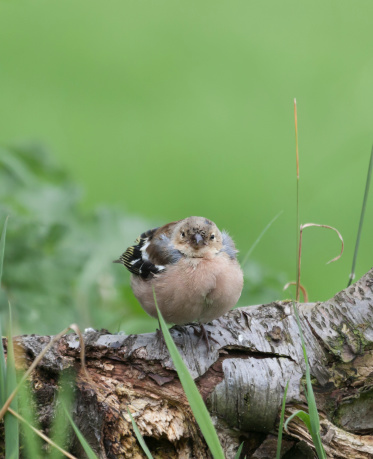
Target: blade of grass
195, 400
302, 227
2, 247
30, 443
312, 407
305, 417
239, 451
11, 424
2, 370
313, 416
60, 427
304, 291
307, 225
8, 374
139, 437
40, 434
87, 449
280, 427
39, 358
311, 401
2, 353
250, 251
367, 184
297, 264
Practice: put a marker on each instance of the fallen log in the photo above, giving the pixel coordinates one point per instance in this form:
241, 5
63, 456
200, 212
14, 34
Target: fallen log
254, 352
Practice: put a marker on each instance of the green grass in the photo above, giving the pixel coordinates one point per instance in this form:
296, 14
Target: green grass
61, 425
281, 425
195, 400
8, 375
139, 437
54, 242
30, 441
87, 449
13, 391
2, 357
239, 451
311, 419
11, 424
362, 216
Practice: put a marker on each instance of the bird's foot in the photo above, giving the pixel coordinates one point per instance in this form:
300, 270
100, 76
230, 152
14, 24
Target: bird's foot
160, 336
203, 334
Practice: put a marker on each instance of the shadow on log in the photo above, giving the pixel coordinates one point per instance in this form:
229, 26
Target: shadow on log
254, 352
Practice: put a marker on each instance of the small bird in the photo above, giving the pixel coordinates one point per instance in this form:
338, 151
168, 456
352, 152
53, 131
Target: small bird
192, 267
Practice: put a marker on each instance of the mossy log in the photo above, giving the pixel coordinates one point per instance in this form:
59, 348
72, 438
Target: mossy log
254, 352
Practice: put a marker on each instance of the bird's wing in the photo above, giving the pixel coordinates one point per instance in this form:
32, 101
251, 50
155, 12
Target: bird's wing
152, 252
228, 245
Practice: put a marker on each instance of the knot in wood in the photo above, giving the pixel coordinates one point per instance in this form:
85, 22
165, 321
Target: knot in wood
275, 334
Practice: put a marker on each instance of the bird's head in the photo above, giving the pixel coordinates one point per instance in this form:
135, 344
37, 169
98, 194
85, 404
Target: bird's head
197, 237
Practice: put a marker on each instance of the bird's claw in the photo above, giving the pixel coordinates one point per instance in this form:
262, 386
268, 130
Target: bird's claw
203, 334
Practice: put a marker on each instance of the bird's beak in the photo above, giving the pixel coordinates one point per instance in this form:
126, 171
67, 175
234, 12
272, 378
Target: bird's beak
198, 239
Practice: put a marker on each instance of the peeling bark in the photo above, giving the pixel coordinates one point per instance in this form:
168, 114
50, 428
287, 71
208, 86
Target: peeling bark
254, 352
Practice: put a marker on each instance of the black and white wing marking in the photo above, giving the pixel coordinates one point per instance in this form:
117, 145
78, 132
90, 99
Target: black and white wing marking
145, 261
135, 258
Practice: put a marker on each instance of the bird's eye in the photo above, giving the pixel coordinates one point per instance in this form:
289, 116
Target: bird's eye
182, 234
212, 237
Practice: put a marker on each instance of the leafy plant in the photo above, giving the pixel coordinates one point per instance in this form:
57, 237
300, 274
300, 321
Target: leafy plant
59, 257
10, 389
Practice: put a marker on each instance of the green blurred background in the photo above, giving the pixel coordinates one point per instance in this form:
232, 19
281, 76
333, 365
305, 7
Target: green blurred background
160, 110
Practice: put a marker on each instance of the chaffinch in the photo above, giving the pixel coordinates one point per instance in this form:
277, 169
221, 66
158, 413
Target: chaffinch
192, 267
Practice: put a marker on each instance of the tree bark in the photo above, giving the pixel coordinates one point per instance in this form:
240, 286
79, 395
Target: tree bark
254, 352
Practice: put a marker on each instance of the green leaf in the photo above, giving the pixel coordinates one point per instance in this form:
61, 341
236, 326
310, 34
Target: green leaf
139, 437
280, 427
11, 424
301, 415
305, 417
194, 397
88, 450
239, 451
